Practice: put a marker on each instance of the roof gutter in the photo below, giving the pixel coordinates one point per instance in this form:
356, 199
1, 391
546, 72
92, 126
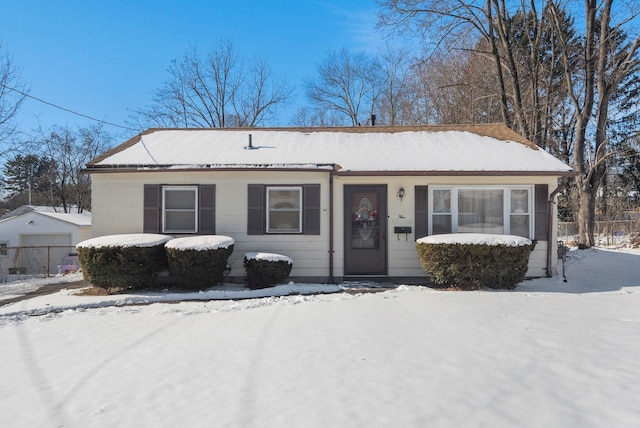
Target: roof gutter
95, 169
450, 173
552, 197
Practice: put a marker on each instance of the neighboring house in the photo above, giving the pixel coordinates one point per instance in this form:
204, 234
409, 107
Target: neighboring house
41, 238
341, 202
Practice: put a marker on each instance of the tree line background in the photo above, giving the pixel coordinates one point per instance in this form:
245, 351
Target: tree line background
563, 74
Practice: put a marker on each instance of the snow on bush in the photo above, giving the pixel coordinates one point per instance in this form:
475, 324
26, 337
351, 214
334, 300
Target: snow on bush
139, 240
475, 238
266, 269
271, 257
472, 261
199, 262
200, 242
123, 261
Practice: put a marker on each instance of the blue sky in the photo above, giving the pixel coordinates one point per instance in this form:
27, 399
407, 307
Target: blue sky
104, 58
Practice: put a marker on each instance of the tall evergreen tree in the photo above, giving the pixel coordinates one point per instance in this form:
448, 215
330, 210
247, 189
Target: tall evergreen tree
27, 174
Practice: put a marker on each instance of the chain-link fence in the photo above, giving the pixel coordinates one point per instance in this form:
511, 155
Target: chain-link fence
37, 261
606, 232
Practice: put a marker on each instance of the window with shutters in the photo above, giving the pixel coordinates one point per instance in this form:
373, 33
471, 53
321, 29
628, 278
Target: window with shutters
283, 209
179, 209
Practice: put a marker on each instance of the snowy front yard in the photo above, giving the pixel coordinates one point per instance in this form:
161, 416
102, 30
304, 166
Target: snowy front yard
548, 354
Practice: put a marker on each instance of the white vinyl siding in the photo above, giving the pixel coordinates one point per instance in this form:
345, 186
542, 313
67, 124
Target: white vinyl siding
118, 202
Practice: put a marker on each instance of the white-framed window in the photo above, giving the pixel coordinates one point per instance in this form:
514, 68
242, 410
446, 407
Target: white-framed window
179, 209
481, 209
4, 250
284, 209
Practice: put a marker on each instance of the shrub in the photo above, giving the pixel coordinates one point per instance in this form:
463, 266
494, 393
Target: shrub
265, 269
471, 262
199, 262
123, 261
634, 240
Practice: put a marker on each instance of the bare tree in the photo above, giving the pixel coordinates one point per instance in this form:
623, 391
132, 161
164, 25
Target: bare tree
447, 23
348, 83
398, 101
218, 90
513, 57
530, 49
13, 91
459, 87
615, 205
306, 117
69, 150
608, 59
261, 95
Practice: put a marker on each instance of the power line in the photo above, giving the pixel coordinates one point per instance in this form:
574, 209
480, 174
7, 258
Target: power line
66, 109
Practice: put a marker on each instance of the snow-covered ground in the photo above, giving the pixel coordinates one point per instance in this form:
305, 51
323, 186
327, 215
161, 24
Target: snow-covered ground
548, 354
20, 285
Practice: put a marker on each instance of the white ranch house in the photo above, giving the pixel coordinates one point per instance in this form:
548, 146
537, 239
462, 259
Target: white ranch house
341, 202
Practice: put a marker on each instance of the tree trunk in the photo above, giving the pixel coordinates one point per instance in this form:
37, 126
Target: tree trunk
586, 212
504, 103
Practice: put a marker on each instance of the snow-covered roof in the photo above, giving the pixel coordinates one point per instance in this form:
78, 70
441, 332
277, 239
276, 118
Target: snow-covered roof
74, 217
79, 219
460, 148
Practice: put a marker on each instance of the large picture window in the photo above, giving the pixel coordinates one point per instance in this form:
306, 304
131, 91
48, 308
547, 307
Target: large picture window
481, 211
284, 213
497, 210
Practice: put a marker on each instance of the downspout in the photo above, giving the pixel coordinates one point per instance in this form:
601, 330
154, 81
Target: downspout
331, 173
561, 186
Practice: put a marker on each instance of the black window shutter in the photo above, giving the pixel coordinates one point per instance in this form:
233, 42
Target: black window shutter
311, 213
255, 214
152, 208
542, 211
207, 209
422, 211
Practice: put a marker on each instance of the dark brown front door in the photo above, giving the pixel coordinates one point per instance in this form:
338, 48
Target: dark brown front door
365, 220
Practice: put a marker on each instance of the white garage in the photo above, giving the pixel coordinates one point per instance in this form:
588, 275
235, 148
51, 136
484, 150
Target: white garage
40, 239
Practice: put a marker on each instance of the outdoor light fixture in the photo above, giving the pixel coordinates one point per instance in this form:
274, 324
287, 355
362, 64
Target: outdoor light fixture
401, 194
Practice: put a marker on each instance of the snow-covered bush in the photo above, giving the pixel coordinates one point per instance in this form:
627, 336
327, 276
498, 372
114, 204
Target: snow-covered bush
266, 269
199, 262
472, 261
123, 261
634, 240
